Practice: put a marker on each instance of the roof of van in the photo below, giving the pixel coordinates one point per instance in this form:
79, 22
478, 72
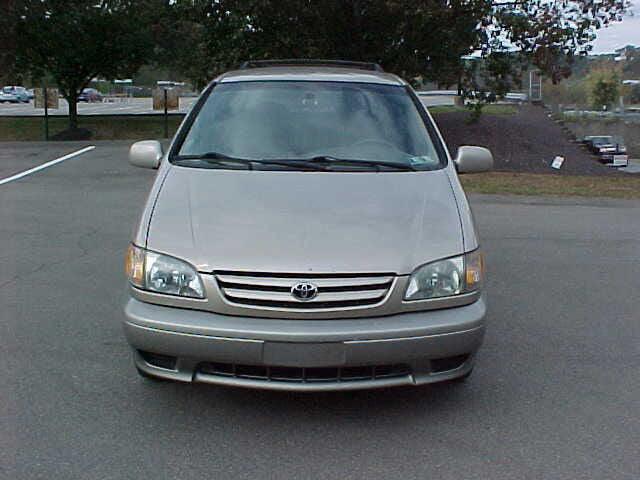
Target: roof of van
310, 73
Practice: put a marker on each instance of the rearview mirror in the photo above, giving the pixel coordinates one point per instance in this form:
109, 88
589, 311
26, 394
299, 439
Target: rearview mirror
473, 159
145, 154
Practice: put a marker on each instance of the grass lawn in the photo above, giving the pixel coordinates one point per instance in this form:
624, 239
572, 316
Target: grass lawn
114, 127
152, 127
132, 127
561, 185
491, 109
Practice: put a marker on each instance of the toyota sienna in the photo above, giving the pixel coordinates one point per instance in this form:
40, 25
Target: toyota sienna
306, 231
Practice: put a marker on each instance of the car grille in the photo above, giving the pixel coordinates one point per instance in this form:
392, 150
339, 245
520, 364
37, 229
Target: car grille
304, 375
275, 290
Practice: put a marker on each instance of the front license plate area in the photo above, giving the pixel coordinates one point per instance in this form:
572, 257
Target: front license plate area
304, 354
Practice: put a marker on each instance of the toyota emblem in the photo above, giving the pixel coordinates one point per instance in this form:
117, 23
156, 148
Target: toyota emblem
304, 291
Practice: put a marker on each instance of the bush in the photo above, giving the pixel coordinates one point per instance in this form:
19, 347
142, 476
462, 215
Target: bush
603, 87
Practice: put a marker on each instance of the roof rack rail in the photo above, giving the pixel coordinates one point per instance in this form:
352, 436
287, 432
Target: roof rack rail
301, 62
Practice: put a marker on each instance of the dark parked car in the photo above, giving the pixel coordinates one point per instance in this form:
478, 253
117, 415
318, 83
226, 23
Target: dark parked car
608, 148
90, 95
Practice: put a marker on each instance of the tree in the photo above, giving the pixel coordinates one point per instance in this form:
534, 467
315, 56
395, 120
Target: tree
553, 34
200, 38
424, 38
75, 41
603, 86
570, 92
415, 38
7, 42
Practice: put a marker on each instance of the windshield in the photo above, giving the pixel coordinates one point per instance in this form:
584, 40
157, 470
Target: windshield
306, 120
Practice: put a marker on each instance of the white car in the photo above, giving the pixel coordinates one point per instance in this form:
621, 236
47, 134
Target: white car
14, 94
7, 97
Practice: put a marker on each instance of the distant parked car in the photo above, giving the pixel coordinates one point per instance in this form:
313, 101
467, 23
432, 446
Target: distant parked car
14, 94
6, 97
90, 95
608, 148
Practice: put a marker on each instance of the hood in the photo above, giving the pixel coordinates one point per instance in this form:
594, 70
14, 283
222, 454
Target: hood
296, 222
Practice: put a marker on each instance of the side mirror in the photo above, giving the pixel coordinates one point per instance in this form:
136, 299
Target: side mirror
145, 154
473, 160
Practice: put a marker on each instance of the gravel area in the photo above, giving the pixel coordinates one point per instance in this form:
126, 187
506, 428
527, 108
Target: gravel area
525, 142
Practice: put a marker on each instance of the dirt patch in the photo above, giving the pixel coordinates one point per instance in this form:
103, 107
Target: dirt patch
527, 141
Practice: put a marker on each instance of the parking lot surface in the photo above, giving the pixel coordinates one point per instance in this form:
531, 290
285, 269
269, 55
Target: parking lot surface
120, 106
555, 394
138, 106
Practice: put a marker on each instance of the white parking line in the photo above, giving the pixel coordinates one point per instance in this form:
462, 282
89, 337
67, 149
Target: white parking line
46, 165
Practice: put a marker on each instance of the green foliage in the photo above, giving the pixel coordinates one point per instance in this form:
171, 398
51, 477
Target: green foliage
419, 38
570, 92
485, 80
554, 34
603, 87
77, 40
423, 40
200, 39
8, 40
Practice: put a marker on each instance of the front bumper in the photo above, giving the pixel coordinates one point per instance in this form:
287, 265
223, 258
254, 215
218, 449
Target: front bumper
420, 341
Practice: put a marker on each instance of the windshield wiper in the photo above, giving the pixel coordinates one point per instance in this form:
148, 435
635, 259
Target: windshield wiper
321, 162
328, 160
216, 158
222, 159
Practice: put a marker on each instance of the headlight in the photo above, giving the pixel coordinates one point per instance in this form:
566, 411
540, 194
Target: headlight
162, 274
446, 278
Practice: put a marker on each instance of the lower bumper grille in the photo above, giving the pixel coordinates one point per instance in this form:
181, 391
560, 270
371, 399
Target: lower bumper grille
305, 375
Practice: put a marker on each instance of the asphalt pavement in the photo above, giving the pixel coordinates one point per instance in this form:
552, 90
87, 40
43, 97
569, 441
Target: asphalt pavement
117, 106
144, 106
555, 394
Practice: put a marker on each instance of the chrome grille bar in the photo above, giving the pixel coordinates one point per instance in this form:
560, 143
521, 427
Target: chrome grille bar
287, 282
321, 297
274, 290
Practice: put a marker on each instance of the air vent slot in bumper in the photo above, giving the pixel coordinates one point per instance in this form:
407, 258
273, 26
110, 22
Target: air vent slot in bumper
304, 375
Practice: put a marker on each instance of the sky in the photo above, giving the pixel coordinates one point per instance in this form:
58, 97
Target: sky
619, 34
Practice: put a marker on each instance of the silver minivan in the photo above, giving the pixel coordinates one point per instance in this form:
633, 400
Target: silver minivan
306, 231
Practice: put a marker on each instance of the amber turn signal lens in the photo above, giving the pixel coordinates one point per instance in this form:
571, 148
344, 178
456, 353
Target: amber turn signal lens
134, 265
474, 266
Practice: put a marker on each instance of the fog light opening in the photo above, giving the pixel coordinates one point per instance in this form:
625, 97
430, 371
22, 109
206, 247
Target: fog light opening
158, 360
439, 365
